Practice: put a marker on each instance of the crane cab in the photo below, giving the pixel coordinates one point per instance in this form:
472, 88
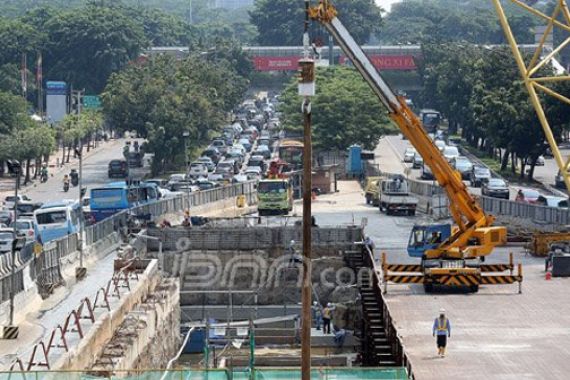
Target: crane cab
425, 237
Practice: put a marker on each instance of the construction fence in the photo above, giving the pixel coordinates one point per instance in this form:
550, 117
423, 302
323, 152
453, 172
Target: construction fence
45, 268
219, 374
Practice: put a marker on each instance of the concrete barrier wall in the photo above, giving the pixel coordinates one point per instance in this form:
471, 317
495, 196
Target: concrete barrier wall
231, 238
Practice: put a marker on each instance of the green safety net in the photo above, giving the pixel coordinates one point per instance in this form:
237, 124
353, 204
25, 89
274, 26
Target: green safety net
218, 374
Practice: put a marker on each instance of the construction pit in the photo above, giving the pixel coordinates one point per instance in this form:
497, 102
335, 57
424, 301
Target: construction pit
240, 290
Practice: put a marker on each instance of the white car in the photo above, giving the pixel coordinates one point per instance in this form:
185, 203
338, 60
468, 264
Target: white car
409, 154
450, 152
239, 148
208, 162
10, 200
6, 238
440, 144
25, 227
197, 170
240, 178
176, 178
253, 173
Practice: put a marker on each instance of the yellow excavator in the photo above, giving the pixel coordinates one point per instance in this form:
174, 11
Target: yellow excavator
451, 255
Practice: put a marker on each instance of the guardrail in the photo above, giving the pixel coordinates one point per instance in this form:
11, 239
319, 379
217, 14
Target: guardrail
45, 269
535, 213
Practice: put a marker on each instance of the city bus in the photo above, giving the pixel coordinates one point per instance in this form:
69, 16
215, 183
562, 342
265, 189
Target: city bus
291, 152
118, 196
56, 220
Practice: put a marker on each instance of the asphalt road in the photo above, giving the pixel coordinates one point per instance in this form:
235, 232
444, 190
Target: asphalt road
95, 166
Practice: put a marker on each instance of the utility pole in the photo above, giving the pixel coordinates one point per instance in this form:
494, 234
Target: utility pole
80, 271
186, 136
306, 89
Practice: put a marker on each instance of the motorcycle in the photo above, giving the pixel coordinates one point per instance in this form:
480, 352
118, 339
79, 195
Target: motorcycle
66, 186
74, 181
43, 177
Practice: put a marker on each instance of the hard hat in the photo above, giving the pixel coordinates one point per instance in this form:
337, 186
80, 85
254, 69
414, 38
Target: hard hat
442, 311
315, 303
292, 242
329, 304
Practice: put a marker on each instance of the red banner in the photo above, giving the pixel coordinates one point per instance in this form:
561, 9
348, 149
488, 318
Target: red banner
389, 62
276, 63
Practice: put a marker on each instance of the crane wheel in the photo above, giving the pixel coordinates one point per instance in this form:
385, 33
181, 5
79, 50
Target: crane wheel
428, 288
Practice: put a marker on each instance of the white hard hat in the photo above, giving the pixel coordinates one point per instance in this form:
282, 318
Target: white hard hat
315, 303
442, 311
329, 304
292, 242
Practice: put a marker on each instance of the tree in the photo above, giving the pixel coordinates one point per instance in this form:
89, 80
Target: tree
85, 47
165, 97
345, 111
280, 22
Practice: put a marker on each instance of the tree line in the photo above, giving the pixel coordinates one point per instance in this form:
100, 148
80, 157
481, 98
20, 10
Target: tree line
480, 92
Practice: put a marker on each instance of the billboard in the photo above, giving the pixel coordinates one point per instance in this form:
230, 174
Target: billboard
56, 101
290, 63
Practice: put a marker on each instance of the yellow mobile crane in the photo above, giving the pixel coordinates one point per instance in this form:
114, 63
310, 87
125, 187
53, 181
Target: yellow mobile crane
451, 256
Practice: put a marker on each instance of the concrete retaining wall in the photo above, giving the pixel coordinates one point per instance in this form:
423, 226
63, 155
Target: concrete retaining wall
91, 346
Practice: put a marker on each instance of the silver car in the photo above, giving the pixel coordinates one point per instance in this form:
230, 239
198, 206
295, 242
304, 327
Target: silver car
6, 239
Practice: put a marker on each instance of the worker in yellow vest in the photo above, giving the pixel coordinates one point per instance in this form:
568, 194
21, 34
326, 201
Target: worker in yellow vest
441, 329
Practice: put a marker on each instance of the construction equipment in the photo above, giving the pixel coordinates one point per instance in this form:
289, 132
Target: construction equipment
456, 259
275, 196
393, 196
542, 242
371, 190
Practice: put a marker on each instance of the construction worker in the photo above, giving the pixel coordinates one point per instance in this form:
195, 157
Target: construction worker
327, 316
441, 329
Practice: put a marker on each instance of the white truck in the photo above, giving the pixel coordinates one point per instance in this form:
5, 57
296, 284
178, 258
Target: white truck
393, 196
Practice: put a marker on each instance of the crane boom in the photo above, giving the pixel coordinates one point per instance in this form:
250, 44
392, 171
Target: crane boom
473, 225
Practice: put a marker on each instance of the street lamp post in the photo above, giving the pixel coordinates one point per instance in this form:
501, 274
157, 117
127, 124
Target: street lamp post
81, 270
11, 331
186, 135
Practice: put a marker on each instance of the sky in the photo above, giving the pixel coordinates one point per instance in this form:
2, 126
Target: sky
386, 3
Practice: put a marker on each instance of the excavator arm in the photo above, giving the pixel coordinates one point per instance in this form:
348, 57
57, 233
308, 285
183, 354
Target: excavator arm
474, 236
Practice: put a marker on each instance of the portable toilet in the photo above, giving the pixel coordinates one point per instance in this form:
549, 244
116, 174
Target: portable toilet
355, 160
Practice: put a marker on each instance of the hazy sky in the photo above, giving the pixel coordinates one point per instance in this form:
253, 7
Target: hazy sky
386, 3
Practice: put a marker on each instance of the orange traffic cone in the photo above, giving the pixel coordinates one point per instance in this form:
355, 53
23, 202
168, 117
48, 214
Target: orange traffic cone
548, 276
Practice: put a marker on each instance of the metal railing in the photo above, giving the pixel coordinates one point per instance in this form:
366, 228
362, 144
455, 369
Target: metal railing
535, 213
46, 268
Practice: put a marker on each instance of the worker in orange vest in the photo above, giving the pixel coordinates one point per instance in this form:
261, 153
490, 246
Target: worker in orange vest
441, 329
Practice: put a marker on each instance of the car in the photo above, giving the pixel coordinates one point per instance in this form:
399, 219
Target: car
6, 216
418, 161
231, 163
552, 201
213, 153
239, 147
246, 144
223, 171
450, 152
479, 175
197, 169
220, 145
6, 239
240, 178
163, 183
440, 144
258, 161
27, 208
463, 165
247, 135
236, 155
426, 172
118, 168
183, 187
206, 185
253, 173
10, 200
176, 177
529, 196
409, 154
264, 151
210, 165
25, 227
495, 187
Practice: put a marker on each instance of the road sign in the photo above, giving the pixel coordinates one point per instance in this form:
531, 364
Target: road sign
91, 102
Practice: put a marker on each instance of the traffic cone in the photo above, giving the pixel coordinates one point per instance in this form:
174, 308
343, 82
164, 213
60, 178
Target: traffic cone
548, 276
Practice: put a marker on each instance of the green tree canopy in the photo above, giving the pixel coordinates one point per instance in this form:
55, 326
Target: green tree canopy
164, 98
280, 22
345, 111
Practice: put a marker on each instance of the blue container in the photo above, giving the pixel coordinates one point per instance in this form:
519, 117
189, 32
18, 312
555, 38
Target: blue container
355, 160
195, 344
